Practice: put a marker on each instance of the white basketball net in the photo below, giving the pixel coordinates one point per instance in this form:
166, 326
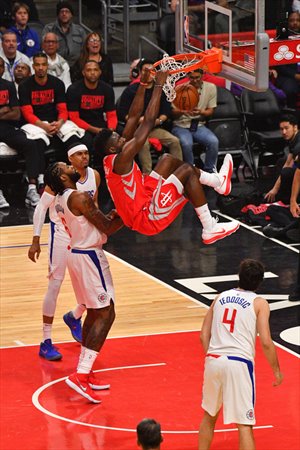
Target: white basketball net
169, 63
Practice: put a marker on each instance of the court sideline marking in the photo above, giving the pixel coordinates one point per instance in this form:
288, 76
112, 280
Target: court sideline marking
248, 227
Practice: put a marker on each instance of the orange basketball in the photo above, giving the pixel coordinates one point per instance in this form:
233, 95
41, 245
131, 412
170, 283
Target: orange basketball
187, 97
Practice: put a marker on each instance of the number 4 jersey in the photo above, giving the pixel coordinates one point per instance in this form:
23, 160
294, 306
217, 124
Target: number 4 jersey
233, 329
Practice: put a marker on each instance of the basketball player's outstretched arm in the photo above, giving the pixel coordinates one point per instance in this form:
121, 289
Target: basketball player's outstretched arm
80, 203
137, 107
132, 147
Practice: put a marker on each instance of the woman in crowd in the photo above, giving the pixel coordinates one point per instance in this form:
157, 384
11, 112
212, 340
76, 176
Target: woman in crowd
91, 50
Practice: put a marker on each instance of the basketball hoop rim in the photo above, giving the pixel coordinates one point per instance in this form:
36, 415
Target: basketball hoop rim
184, 56
178, 65
205, 58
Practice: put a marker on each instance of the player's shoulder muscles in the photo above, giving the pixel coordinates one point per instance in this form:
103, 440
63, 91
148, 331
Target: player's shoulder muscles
49, 190
123, 160
210, 312
261, 306
262, 311
79, 202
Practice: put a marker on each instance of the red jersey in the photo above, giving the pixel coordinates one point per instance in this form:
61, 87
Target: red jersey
147, 204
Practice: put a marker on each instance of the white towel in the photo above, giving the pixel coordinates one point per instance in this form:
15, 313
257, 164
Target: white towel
5, 150
33, 132
69, 129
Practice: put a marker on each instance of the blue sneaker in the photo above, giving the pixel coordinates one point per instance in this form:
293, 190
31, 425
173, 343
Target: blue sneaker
74, 325
48, 351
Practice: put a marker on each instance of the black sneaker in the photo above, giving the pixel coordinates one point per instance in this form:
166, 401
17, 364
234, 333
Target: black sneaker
273, 232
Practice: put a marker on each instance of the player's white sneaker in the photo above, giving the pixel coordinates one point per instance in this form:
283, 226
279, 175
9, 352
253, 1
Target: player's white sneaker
32, 197
219, 230
225, 176
3, 202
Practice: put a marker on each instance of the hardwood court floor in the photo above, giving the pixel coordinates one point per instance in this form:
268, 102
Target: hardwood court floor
163, 283
143, 305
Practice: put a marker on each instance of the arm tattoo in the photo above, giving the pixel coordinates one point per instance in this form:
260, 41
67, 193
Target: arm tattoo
93, 214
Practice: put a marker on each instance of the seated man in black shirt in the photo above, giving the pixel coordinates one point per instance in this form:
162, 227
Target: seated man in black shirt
43, 105
283, 185
16, 138
91, 103
281, 220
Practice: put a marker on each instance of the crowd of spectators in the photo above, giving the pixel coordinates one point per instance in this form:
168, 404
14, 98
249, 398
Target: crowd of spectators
55, 89
60, 87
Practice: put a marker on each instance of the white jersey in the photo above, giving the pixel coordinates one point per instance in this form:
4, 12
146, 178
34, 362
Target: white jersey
89, 185
83, 234
233, 330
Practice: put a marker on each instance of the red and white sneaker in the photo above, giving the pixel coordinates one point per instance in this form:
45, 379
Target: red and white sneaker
94, 383
225, 176
219, 230
80, 383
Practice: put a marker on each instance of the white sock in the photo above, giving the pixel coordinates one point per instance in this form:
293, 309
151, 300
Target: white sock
31, 186
47, 331
87, 360
41, 178
210, 179
82, 351
78, 311
204, 215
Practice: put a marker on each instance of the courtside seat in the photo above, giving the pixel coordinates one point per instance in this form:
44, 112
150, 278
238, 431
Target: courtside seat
226, 123
9, 160
261, 114
50, 156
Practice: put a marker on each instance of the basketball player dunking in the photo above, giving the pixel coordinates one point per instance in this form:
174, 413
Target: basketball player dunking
148, 204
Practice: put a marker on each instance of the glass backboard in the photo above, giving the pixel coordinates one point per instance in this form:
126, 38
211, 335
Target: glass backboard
235, 26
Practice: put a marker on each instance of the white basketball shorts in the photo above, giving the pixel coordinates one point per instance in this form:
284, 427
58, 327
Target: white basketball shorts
91, 278
58, 244
229, 380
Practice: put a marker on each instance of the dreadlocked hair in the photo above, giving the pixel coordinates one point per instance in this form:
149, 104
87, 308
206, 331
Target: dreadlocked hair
52, 178
100, 142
